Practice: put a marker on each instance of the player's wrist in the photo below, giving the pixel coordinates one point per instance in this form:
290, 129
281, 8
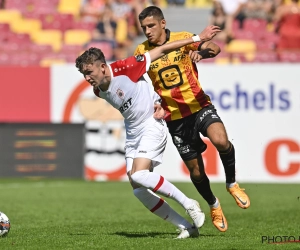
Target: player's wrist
196, 38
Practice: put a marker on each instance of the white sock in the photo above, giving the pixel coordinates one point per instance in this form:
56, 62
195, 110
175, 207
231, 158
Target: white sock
159, 184
230, 185
215, 205
160, 207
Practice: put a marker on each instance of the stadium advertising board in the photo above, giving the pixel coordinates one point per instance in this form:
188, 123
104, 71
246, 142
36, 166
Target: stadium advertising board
259, 104
41, 150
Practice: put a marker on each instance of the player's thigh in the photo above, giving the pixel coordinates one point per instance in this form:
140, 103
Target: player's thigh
141, 164
134, 162
205, 118
186, 140
149, 150
216, 132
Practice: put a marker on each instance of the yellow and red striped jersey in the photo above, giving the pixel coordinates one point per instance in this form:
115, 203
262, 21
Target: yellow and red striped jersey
175, 78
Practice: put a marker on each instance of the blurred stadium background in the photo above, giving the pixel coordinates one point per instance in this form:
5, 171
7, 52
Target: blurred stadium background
51, 124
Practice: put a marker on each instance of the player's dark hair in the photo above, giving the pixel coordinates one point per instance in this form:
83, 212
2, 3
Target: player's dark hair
90, 56
151, 11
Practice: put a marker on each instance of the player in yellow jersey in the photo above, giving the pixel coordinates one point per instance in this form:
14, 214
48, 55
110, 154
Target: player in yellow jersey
188, 109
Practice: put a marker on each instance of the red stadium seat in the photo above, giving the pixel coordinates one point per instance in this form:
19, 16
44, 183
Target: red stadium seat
4, 31
15, 4
4, 58
271, 37
19, 59
25, 59
268, 41
266, 57
4, 27
255, 25
15, 47
90, 26
244, 34
57, 21
235, 25
23, 40
70, 52
289, 56
71, 49
10, 47
41, 49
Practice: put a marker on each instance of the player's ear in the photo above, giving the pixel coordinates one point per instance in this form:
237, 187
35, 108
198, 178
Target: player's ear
103, 67
163, 23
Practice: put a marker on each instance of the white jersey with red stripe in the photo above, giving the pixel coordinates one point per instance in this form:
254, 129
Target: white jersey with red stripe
130, 93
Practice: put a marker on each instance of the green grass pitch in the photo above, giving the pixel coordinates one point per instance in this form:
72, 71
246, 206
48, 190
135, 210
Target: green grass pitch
76, 214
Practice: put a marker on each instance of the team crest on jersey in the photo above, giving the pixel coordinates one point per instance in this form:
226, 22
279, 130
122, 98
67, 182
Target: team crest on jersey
164, 58
120, 94
139, 58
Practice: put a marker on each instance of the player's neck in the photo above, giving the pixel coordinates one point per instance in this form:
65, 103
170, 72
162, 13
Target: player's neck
104, 86
163, 39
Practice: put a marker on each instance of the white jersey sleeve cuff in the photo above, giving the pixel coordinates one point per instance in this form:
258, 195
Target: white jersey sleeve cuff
148, 60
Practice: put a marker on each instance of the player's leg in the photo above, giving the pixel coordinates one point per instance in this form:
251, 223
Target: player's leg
149, 154
162, 209
202, 184
190, 146
212, 126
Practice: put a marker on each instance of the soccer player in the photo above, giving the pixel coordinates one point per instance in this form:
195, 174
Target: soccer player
121, 83
188, 109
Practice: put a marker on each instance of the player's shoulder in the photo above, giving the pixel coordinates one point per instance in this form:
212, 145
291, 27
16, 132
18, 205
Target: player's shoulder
142, 47
180, 35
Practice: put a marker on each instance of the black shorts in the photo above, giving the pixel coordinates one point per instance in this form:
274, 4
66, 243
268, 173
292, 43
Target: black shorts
185, 132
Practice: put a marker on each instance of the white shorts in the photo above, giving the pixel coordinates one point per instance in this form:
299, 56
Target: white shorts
149, 144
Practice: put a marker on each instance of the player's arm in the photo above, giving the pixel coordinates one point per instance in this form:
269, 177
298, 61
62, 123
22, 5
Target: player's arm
209, 49
206, 50
159, 112
206, 35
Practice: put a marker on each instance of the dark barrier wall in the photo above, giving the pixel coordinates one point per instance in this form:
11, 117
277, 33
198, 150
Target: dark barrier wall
48, 150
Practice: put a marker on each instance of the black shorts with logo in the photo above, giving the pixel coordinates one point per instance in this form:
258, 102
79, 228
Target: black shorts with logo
185, 132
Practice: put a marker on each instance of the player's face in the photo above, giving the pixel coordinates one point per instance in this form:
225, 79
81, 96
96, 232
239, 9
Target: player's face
154, 30
93, 73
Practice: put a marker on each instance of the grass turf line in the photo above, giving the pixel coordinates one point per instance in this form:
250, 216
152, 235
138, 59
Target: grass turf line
75, 214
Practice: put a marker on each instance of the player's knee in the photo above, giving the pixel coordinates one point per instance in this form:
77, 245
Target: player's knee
132, 183
197, 175
221, 142
139, 176
194, 168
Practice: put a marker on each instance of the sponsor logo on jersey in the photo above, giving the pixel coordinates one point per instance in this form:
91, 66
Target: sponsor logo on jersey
207, 112
177, 140
125, 106
139, 58
154, 66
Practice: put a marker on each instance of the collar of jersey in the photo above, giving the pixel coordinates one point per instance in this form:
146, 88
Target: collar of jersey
167, 39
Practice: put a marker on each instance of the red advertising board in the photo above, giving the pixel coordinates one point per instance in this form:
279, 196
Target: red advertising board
25, 94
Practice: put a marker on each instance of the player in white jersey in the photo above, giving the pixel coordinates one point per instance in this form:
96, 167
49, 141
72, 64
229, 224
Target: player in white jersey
122, 84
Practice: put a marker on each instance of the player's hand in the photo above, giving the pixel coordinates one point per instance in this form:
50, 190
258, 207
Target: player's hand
159, 112
209, 32
195, 56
